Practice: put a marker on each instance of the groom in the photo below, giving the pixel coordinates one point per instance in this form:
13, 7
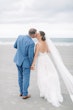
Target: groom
23, 59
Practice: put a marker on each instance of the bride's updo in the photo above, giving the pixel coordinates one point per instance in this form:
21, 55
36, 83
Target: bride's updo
43, 35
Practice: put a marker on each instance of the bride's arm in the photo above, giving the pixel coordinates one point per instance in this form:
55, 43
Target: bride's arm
35, 56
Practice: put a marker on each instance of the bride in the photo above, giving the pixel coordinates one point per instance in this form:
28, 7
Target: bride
47, 74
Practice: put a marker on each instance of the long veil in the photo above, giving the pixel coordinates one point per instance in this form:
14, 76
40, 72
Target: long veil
64, 73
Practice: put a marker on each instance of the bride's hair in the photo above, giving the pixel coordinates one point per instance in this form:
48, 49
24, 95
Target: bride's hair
43, 35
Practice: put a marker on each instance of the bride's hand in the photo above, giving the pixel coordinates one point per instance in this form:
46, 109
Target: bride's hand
32, 67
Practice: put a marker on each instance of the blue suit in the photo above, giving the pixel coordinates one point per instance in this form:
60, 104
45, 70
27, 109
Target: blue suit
23, 59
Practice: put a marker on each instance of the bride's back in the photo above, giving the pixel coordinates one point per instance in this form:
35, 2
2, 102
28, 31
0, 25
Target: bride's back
43, 47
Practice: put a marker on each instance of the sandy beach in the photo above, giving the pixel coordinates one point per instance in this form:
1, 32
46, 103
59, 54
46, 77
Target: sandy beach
9, 90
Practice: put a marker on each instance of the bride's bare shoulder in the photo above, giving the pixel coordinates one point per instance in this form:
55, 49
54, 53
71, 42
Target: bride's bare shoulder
37, 45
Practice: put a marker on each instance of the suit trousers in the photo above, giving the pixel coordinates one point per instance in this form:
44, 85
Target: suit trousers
23, 79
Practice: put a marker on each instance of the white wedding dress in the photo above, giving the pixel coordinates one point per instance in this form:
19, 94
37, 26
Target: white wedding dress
48, 80
47, 76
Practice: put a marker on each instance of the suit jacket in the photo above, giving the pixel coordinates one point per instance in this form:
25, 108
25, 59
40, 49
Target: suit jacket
25, 51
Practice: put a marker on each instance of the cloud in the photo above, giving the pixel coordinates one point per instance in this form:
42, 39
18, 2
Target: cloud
25, 11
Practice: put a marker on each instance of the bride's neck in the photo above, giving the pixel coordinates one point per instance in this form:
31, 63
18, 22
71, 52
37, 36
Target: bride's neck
39, 40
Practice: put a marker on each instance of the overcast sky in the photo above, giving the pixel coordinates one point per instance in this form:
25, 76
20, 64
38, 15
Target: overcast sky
53, 16
26, 11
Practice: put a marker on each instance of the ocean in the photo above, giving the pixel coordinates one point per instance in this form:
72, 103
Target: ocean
57, 41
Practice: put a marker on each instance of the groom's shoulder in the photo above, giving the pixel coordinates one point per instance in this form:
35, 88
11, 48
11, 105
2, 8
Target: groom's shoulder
26, 38
21, 36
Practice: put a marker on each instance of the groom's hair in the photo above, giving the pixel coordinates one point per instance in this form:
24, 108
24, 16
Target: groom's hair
32, 31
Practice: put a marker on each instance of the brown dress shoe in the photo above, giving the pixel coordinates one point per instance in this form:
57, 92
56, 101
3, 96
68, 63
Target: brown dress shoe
26, 97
